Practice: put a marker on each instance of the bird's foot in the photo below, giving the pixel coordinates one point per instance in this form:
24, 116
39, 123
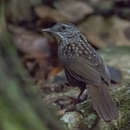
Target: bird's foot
69, 104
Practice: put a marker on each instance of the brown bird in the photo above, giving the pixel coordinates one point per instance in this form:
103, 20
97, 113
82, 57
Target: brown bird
85, 68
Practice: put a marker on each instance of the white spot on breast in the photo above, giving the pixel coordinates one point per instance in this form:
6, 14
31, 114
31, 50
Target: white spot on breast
69, 47
76, 49
80, 52
94, 55
86, 52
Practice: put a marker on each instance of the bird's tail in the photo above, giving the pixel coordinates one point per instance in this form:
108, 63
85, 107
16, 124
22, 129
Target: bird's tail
103, 103
115, 74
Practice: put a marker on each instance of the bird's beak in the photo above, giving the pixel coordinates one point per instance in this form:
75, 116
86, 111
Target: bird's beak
47, 30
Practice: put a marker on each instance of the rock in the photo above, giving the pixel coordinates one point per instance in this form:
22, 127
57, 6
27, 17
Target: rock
72, 120
30, 43
118, 57
18, 11
45, 12
73, 10
101, 4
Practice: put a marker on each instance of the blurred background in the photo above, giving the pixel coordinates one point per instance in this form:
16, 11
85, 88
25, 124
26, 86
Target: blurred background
32, 79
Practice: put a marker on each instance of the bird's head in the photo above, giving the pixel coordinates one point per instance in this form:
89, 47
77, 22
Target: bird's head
63, 31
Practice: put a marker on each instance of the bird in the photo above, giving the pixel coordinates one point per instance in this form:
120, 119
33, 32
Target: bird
85, 68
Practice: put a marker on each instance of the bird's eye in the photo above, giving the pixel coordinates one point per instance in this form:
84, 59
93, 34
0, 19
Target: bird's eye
62, 28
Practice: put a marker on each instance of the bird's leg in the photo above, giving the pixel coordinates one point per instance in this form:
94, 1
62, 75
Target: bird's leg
76, 83
68, 104
69, 101
83, 95
66, 101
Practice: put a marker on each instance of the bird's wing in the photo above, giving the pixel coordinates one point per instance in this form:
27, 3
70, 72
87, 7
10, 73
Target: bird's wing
96, 64
82, 71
